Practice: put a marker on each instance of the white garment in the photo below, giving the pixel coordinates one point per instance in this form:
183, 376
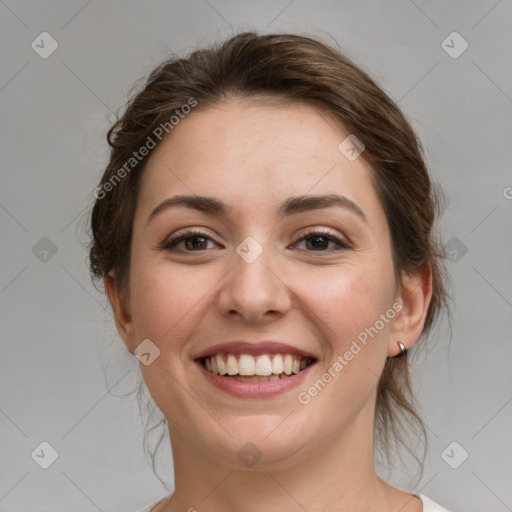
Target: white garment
428, 505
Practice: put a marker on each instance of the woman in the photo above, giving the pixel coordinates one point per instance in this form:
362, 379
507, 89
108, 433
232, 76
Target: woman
264, 232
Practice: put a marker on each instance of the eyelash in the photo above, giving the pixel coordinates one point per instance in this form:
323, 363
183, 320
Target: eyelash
170, 244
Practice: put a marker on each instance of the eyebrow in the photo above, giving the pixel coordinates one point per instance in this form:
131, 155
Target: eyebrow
291, 206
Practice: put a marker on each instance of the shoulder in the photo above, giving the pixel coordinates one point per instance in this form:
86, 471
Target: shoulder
431, 506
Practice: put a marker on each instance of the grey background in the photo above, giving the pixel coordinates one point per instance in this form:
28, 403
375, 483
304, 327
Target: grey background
60, 351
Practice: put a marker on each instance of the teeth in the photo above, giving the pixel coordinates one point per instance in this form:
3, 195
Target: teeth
232, 366
256, 378
215, 368
248, 368
288, 364
263, 365
246, 365
223, 367
277, 364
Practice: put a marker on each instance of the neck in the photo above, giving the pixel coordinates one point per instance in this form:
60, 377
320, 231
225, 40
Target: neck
339, 475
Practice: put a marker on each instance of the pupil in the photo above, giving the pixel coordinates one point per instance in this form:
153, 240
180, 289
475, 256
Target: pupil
195, 243
315, 240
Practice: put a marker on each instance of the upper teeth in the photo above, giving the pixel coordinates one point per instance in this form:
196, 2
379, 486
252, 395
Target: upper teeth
263, 365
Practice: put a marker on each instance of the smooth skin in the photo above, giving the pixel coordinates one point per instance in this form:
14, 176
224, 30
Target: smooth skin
252, 156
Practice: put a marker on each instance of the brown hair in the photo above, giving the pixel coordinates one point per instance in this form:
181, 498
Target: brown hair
298, 68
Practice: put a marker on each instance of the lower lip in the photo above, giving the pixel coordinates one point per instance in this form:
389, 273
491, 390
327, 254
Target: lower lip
254, 389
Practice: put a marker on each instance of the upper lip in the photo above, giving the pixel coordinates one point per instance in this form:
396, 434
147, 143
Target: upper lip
253, 348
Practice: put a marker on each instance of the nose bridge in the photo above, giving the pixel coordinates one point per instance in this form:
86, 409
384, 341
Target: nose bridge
253, 287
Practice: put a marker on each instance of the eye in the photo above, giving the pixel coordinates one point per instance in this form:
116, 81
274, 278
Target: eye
197, 241
320, 240
194, 241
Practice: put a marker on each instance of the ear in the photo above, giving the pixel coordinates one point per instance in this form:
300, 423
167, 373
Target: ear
415, 297
120, 305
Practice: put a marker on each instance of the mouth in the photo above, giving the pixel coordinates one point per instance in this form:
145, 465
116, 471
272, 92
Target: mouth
255, 368
261, 369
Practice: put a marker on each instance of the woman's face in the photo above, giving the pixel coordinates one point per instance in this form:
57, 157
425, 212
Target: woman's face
271, 264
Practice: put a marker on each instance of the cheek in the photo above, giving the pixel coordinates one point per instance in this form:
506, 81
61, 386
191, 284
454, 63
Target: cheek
165, 301
166, 307
350, 299
350, 305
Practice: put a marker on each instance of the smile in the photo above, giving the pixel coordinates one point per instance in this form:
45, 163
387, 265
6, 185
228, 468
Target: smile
261, 368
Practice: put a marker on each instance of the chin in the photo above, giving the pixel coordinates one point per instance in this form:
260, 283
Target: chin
260, 443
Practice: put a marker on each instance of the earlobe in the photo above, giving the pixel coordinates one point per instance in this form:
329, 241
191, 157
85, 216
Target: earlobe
415, 297
121, 310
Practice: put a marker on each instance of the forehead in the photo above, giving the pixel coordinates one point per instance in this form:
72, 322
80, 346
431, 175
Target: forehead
255, 153
262, 133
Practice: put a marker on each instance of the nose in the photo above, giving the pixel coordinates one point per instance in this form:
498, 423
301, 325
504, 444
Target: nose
254, 291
